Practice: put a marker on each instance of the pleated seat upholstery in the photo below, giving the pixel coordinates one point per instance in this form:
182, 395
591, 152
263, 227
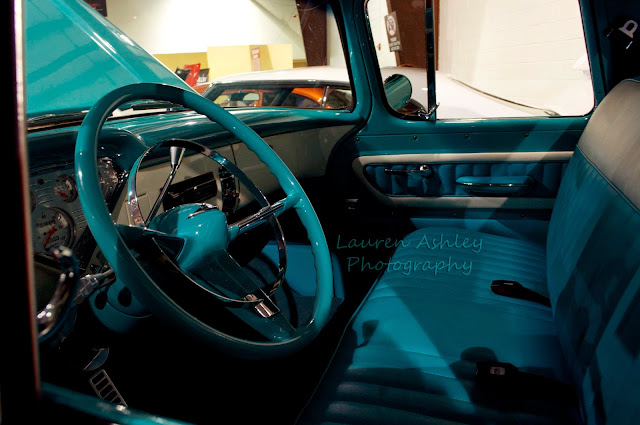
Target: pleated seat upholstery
411, 351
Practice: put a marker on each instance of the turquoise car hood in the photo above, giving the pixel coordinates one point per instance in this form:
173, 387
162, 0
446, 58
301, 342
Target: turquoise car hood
74, 56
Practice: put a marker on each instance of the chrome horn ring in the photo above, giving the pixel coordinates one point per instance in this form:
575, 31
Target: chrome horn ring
265, 214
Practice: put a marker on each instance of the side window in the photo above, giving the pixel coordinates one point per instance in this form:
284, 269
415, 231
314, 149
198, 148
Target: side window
493, 58
301, 100
338, 98
238, 98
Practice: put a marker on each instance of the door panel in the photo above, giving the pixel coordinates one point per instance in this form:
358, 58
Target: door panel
466, 180
489, 151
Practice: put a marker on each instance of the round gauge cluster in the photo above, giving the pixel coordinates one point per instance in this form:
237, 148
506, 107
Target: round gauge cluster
65, 188
53, 228
54, 199
55, 207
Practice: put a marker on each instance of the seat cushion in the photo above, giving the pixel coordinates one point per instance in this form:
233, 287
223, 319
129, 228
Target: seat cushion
410, 352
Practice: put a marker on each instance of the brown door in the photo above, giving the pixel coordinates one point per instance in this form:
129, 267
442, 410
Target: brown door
411, 26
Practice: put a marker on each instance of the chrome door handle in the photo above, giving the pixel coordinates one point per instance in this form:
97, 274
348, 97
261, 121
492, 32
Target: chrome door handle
496, 186
423, 170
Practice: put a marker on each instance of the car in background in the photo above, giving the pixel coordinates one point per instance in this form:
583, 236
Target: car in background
202, 87
327, 87
305, 88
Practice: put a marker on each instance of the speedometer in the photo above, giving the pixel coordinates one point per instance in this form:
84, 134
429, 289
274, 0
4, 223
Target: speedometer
53, 228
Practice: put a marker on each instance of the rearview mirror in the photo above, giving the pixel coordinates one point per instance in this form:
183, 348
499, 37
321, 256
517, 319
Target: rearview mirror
398, 89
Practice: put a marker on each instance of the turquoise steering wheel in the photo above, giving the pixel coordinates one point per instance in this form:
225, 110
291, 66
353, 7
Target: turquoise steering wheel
205, 256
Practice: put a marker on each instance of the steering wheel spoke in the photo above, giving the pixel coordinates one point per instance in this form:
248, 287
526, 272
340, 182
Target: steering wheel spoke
135, 236
261, 217
176, 154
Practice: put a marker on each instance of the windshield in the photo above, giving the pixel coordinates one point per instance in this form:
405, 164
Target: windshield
74, 57
174, 42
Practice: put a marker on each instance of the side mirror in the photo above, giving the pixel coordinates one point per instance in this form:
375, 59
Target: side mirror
398, 89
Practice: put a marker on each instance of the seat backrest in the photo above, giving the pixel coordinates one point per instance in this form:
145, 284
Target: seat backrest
593, 262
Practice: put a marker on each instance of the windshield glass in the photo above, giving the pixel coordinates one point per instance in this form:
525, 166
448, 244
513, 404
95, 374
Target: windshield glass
278, 53
77, 51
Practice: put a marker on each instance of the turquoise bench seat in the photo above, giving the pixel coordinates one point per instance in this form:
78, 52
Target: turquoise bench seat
412, 350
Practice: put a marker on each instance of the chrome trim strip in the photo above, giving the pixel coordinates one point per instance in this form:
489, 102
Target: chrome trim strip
429, 158
470, 184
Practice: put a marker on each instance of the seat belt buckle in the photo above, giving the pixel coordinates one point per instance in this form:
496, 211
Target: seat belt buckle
513, 289
507, 288
495, 371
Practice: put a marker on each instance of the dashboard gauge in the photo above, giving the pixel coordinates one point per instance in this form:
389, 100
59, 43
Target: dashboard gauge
53, 228
65, 188
108, 177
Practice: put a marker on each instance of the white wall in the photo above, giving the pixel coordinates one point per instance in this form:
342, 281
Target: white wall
377, 10
530, 51
335, 52
185, 26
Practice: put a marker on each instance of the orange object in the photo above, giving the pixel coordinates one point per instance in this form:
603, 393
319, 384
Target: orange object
202, 87
314, 93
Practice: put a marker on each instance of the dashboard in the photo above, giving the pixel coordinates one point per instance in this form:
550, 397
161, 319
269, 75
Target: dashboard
56, 214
